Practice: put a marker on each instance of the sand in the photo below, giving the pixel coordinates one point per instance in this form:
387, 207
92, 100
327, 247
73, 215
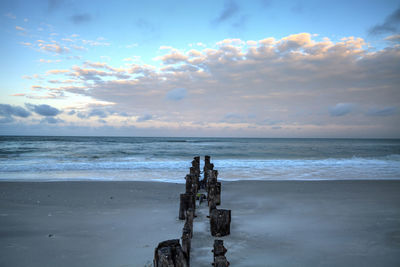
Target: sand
288, 223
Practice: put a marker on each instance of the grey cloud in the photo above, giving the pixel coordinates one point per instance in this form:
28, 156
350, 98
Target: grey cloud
72, 112
100, 113
55, 4
44, 110
390, 25
233, 117
6, 119
81, 18
93, 113
382, 112
341, 109
145, 117
230, 9
9, 110
176, 94
51, 120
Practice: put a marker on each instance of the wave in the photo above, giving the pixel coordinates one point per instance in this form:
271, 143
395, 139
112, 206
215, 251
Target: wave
229, 169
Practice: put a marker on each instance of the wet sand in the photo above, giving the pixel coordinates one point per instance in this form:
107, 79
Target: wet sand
287, 223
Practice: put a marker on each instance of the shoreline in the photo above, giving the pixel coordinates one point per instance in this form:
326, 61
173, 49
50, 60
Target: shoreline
274, 223
182, 181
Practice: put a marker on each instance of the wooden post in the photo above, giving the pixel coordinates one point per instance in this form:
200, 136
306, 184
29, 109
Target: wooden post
196, 175
186, 242
191, 185
211, 196
220, 222
218, 193
169, 254
219, 254
212, 206
219, 249
187, 200
196, 166
189, 220
207, 166
220, 261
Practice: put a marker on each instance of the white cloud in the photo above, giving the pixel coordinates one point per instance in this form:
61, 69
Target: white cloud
18, 28
10, 16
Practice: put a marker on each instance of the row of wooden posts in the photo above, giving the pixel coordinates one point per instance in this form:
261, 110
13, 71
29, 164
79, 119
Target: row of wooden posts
170, 253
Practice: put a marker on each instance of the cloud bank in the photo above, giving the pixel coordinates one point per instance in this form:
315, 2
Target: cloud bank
303, 83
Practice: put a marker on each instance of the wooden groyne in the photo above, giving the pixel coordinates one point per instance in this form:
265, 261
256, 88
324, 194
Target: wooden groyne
171, 253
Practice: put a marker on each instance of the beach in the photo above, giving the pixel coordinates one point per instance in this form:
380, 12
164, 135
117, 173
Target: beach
274, 223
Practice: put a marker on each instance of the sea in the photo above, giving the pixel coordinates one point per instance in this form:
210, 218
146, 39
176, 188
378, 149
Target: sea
167, 159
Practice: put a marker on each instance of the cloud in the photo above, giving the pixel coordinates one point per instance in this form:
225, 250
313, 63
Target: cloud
51, 120
230, 9
176, 94
303, 81
10, 16
81, 18
54, 48
390, 24
341, 109
393, 38
382, 112
100, 113
43, 110
145, 117
173, 58
55, 4
18, 28
49, 60
9, 110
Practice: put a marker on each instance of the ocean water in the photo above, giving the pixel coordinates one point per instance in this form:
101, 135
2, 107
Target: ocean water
169, 159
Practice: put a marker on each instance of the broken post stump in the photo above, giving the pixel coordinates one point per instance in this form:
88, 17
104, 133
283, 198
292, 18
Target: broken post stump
219, 249
169, 253
219, 254
220, 222
220, 261
187, 201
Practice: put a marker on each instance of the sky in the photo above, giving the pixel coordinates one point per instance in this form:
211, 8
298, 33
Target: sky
229, 68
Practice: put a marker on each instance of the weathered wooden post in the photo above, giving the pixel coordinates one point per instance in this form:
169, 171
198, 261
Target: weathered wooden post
186, 242
219, 254
218, 193
196, 170
187, 201
220, 222
220, 261
189, 220
191, 185
219, 249
169, 254
196, 176
214, 187
207, 166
